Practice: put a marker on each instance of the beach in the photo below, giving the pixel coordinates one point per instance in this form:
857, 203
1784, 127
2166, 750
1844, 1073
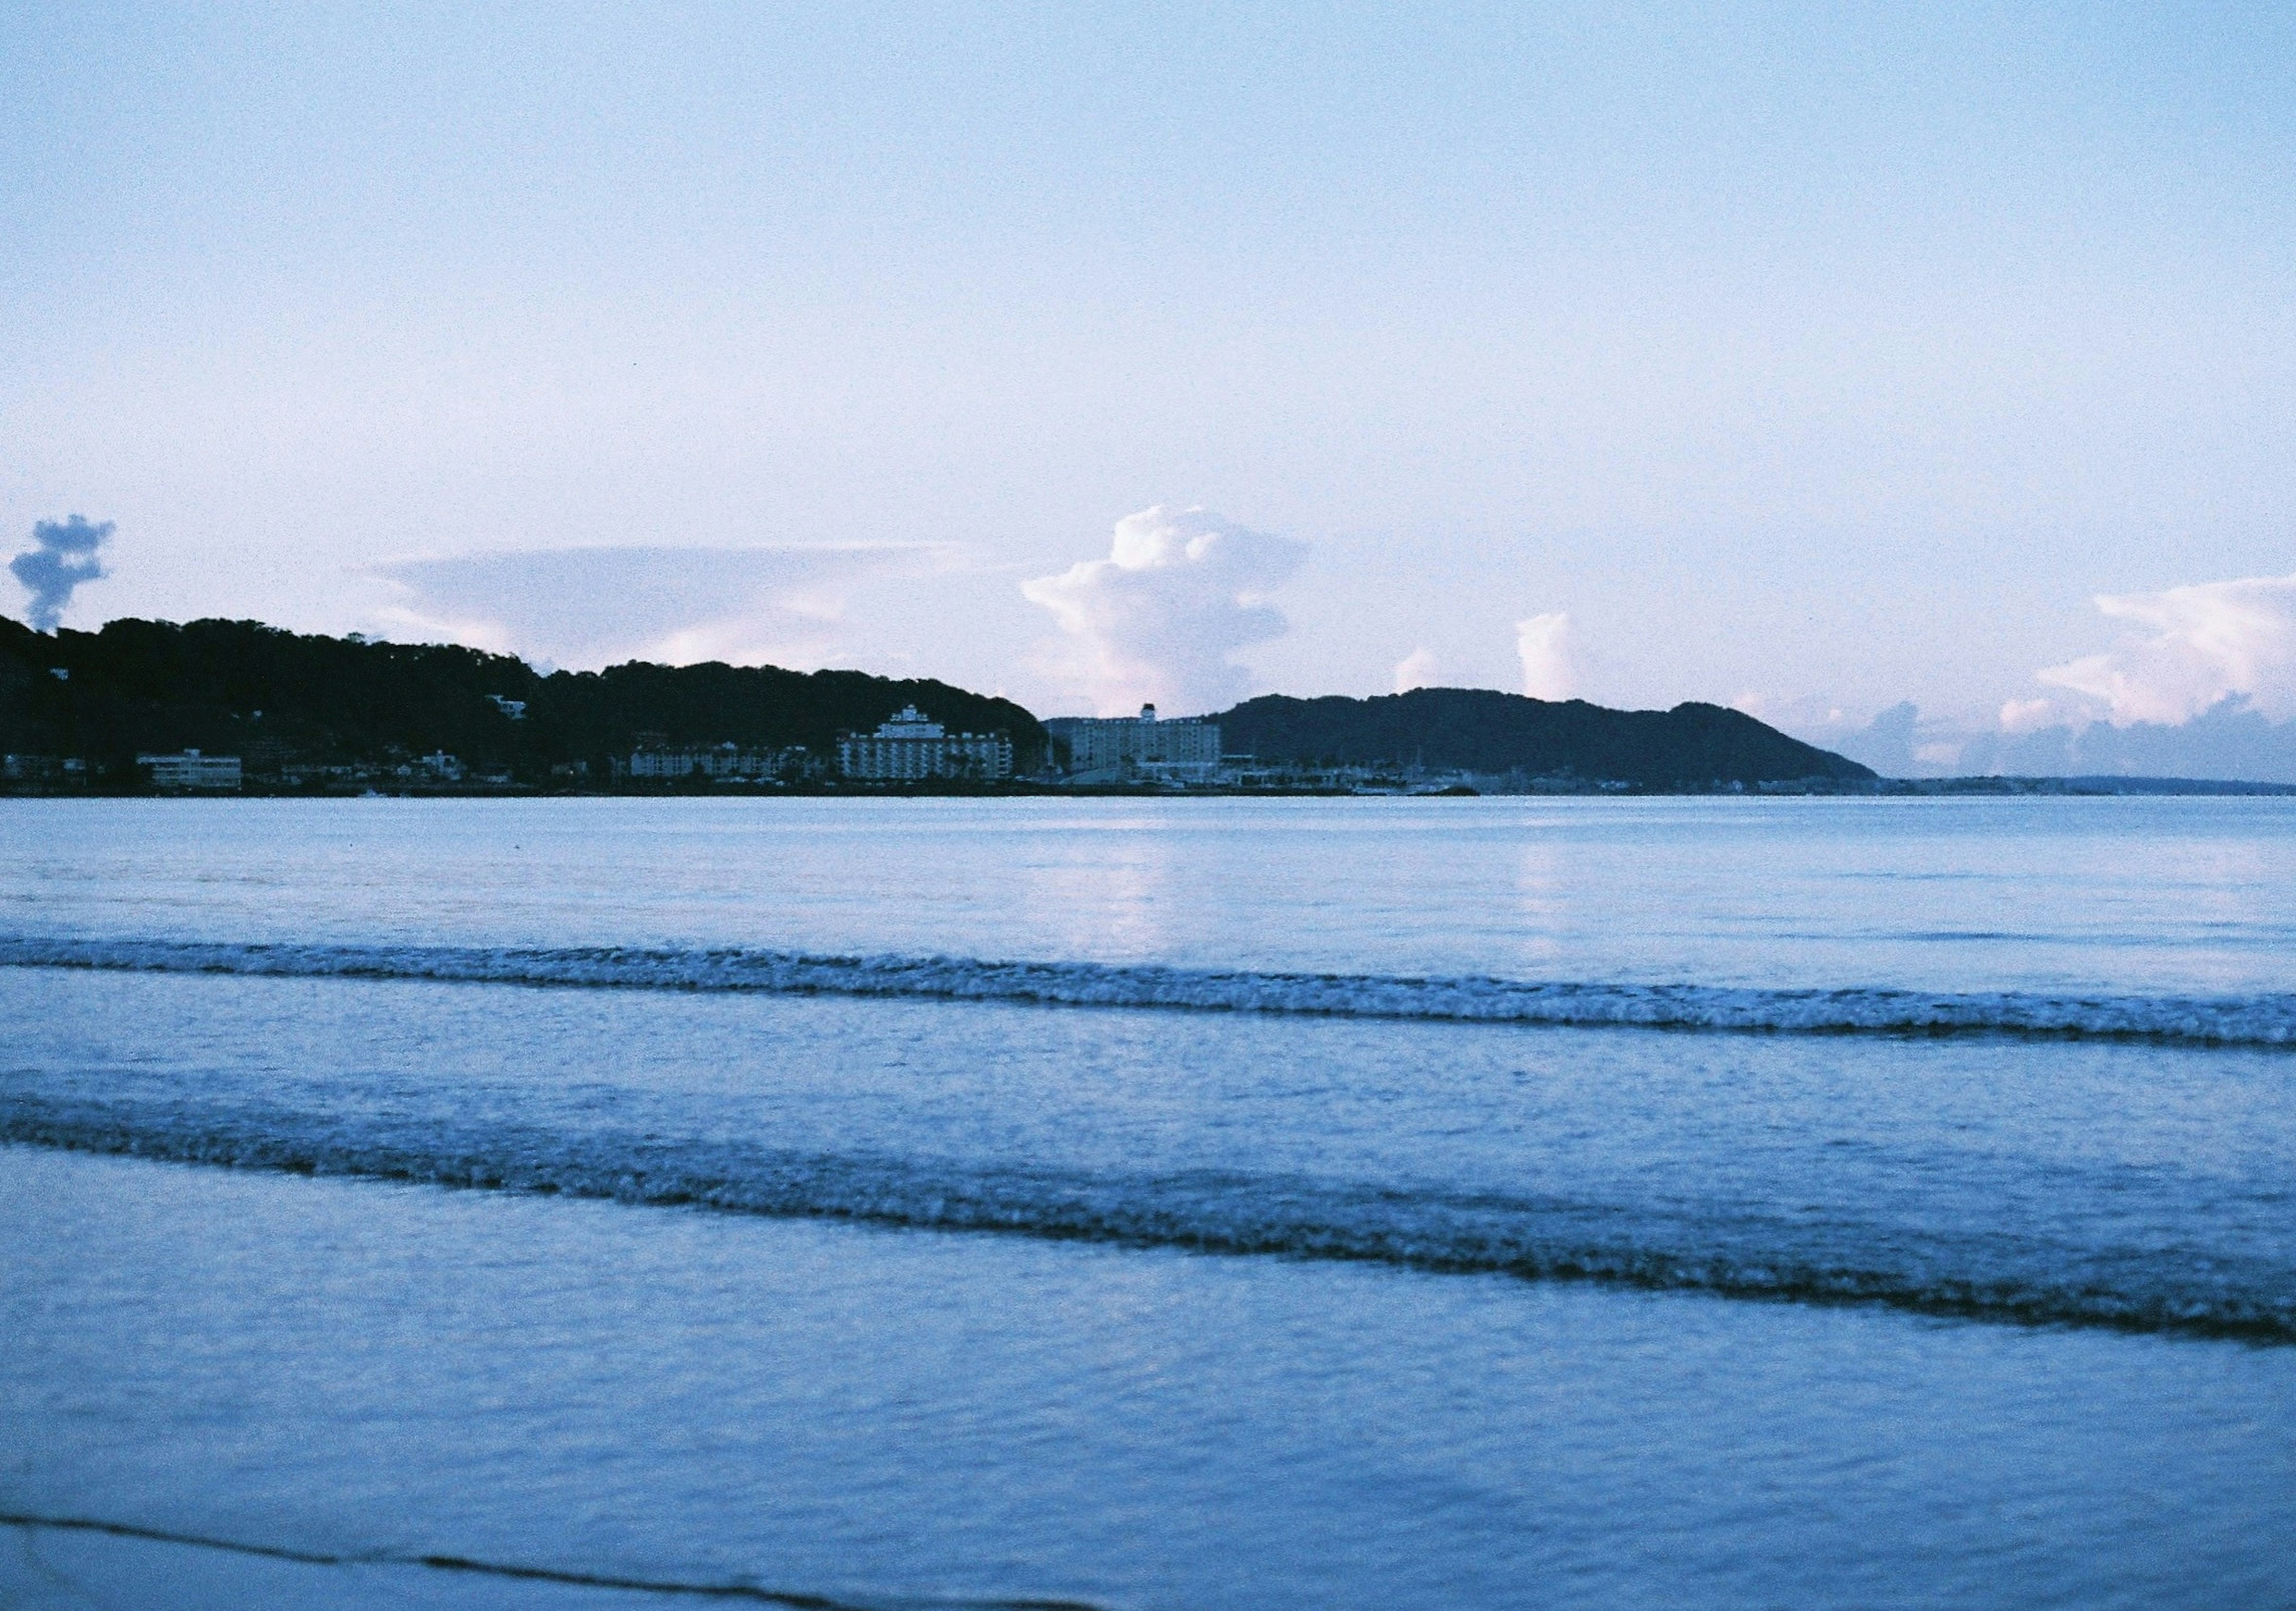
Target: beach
1153, 1203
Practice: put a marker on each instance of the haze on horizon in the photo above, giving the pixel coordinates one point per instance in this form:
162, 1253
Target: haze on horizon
1924, 382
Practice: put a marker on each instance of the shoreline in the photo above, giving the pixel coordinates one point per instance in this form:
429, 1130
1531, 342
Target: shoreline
1885, 788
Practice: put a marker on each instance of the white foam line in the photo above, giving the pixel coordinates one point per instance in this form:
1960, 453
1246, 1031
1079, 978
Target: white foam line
2264, 1020
1225, 1214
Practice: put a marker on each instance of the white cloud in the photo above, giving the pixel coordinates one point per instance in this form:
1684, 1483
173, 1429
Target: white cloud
1415, 670
588, 607
1808, 711
2045, 739
2021, 716
1158, 620
2193, 647
1549, 666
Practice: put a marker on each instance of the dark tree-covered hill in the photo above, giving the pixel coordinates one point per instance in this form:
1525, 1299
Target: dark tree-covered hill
1482, 730
240, 687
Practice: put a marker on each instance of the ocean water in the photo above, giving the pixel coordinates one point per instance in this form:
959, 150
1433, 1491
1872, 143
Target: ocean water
1373, 1202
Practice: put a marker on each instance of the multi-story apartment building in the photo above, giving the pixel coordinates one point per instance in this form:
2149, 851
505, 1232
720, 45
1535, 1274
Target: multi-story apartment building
913, 748
717, 762
193, 771
1124, 748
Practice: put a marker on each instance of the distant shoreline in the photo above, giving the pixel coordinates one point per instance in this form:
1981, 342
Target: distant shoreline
1892, 788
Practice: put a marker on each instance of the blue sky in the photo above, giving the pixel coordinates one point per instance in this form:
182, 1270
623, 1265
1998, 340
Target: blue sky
1816, 359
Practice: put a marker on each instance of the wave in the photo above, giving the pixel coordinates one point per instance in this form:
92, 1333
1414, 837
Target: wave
1992, 1275
519, 1571
2259, 1020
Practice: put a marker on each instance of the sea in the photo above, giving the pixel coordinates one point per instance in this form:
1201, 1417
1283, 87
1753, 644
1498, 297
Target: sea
1148, 1202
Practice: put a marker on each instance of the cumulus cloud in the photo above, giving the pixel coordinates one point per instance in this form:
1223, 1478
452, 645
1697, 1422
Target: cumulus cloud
594, 606
1158, 619
2192, 648
1415, 670
62, 557
1807, 710
2022, 716
2037, 739
1549, 665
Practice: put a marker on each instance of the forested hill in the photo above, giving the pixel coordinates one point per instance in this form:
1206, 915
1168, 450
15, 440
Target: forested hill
155, 685
1482, 730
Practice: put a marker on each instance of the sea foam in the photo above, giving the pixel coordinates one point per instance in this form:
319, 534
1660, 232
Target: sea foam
2000, 1278
2258, 1020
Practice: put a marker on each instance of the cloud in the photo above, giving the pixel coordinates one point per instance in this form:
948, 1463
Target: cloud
62, 556
2228, 740
2193, 647
2035, 739
595, 607
1549, 666
1415, 670
1886, 743
1810, 710
2022, 716
1158, 620
2201, 684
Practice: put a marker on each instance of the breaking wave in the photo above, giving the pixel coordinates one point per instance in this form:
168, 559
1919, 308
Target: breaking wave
1997, 1276
2263, 1019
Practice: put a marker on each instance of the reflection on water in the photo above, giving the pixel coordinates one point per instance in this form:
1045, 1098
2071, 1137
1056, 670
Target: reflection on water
2128, 895
1122, 897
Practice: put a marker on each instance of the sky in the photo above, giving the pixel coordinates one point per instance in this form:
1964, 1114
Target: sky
1828, 361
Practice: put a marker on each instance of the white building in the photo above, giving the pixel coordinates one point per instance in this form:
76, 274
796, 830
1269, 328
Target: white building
1119, 748
912, 748
192, 770
42, 769
717, 762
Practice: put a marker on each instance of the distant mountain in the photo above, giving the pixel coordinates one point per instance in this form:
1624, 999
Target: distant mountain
240, 688
1482, 730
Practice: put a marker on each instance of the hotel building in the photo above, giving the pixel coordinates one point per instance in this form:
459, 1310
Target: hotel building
913, 748
1125, 748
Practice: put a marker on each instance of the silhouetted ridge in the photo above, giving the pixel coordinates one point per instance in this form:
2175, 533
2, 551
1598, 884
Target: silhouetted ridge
1483, 730
240, 687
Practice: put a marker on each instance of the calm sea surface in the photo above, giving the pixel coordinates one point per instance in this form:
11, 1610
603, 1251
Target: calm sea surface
1365, 1202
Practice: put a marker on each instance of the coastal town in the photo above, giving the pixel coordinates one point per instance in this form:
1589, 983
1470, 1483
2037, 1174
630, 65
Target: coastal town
219, 708
909, 750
